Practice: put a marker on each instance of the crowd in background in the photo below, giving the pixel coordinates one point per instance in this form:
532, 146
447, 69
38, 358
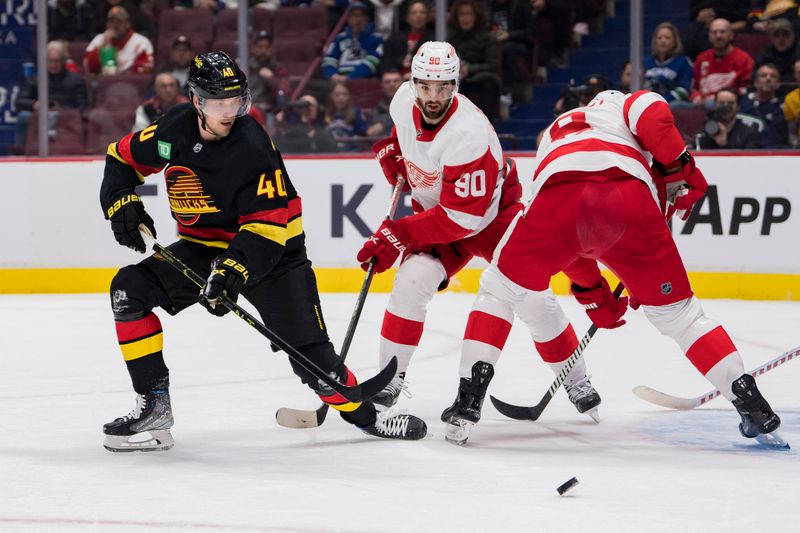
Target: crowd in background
747, 98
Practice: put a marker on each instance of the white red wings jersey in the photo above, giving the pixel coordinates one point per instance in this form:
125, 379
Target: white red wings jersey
614, 135
455, 171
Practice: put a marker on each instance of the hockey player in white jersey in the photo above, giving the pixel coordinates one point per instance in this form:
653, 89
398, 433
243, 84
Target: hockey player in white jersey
464, 195
607, 176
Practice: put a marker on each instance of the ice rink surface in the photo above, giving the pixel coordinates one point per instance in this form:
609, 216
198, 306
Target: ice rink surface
643, 469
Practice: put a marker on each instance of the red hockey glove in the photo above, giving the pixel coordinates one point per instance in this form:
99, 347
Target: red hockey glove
387, 152
385, 245
602, 307
227, 277
682, 185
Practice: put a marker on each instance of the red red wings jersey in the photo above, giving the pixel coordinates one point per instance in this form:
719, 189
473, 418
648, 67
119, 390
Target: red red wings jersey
455, 170
614, 135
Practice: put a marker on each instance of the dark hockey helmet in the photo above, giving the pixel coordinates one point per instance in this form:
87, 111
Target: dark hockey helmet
215, 75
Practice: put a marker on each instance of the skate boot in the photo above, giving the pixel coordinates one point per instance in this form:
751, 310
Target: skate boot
584, 397
391, 392
466, 410
759, 421
145, 428
390, 425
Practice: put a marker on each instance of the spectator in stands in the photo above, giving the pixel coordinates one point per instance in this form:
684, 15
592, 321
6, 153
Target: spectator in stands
180, 57
791, 109
385, 15
724, 129
343, 119
300, 131
626, 77
66, 90
269, 82
760, 19
380, 121
766, 106
667, 71
167, 94
695, 35
574, 95
121, 49
357, 51
514, 26
477, 48
783, 50
559, 15
69, 21
724, 65
402, 45
138, 21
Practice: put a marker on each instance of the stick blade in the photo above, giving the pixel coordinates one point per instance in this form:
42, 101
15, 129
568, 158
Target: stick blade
366, 390
516, 412
296, 418
664, 400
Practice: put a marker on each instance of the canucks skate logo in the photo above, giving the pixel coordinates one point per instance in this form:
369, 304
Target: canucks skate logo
420, 179
187, 199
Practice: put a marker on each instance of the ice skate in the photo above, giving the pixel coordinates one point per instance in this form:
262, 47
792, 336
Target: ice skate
466, 409
584, 397
145, 428
391, 392
759, 421
390, 425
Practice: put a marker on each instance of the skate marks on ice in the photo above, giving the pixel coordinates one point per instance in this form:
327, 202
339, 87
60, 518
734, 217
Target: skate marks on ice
716, 430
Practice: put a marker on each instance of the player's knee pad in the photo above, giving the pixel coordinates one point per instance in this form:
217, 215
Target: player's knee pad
416, 282
684, 321
127, 292
542, 313
495, 283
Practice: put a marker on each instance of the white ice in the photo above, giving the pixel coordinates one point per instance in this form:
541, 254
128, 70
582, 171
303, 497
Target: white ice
643, 469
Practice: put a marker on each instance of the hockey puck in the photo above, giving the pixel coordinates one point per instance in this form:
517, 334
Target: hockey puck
566, 486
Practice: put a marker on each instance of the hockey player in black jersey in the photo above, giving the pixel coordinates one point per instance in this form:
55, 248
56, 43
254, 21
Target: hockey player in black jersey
239, 223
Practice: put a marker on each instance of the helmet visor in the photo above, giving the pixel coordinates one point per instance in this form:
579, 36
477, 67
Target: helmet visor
225, 108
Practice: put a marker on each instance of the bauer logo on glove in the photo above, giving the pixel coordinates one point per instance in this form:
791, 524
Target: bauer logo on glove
383, 247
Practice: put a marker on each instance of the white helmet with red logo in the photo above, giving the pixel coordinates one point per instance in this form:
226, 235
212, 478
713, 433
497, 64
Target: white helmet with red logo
435, 61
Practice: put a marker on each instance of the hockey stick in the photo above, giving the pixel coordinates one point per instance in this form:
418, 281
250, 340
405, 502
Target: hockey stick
674, 402
355, 394
518, 412
301, 418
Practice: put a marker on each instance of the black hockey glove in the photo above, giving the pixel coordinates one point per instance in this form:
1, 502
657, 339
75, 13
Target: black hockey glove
227, 277
126, 214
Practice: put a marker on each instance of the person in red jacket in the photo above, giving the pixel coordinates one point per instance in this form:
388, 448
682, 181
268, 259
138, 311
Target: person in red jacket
723, 65
597, 199
128, 51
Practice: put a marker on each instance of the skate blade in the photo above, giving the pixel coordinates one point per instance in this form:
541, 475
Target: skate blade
594, 414
772, 440
457, 433
147, 441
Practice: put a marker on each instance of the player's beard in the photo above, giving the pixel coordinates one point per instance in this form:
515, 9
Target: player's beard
433, 115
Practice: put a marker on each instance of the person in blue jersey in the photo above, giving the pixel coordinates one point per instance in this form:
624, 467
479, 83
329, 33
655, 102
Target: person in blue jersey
667, 71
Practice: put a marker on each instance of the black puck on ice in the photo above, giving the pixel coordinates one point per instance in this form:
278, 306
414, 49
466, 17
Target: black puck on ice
566, 486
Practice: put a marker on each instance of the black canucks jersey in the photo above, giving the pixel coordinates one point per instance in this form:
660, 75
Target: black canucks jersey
233, 194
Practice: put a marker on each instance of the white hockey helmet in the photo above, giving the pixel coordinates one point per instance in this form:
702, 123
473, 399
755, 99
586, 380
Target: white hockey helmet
435, 61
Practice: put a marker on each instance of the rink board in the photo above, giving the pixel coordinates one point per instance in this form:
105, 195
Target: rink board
740, 244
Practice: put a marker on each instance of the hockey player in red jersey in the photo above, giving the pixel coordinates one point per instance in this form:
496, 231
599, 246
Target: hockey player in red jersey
239, 222
605, 177
464, 195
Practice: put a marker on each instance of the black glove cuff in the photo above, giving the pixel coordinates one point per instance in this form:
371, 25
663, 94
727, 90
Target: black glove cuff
121, 202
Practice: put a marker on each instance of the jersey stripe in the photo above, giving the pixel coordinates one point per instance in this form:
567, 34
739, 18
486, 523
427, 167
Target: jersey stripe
636, 104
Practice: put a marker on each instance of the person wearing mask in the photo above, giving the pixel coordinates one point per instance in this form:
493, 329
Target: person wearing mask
724, 129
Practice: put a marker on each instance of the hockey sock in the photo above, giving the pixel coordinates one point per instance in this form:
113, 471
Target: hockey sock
484, 338
336, 400
716, 357
399, 338
558, 349
141, 342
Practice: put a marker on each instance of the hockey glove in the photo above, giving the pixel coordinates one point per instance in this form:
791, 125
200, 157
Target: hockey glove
681, 186
385, 245
387, 152
228, 276
602, 307
126, 214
